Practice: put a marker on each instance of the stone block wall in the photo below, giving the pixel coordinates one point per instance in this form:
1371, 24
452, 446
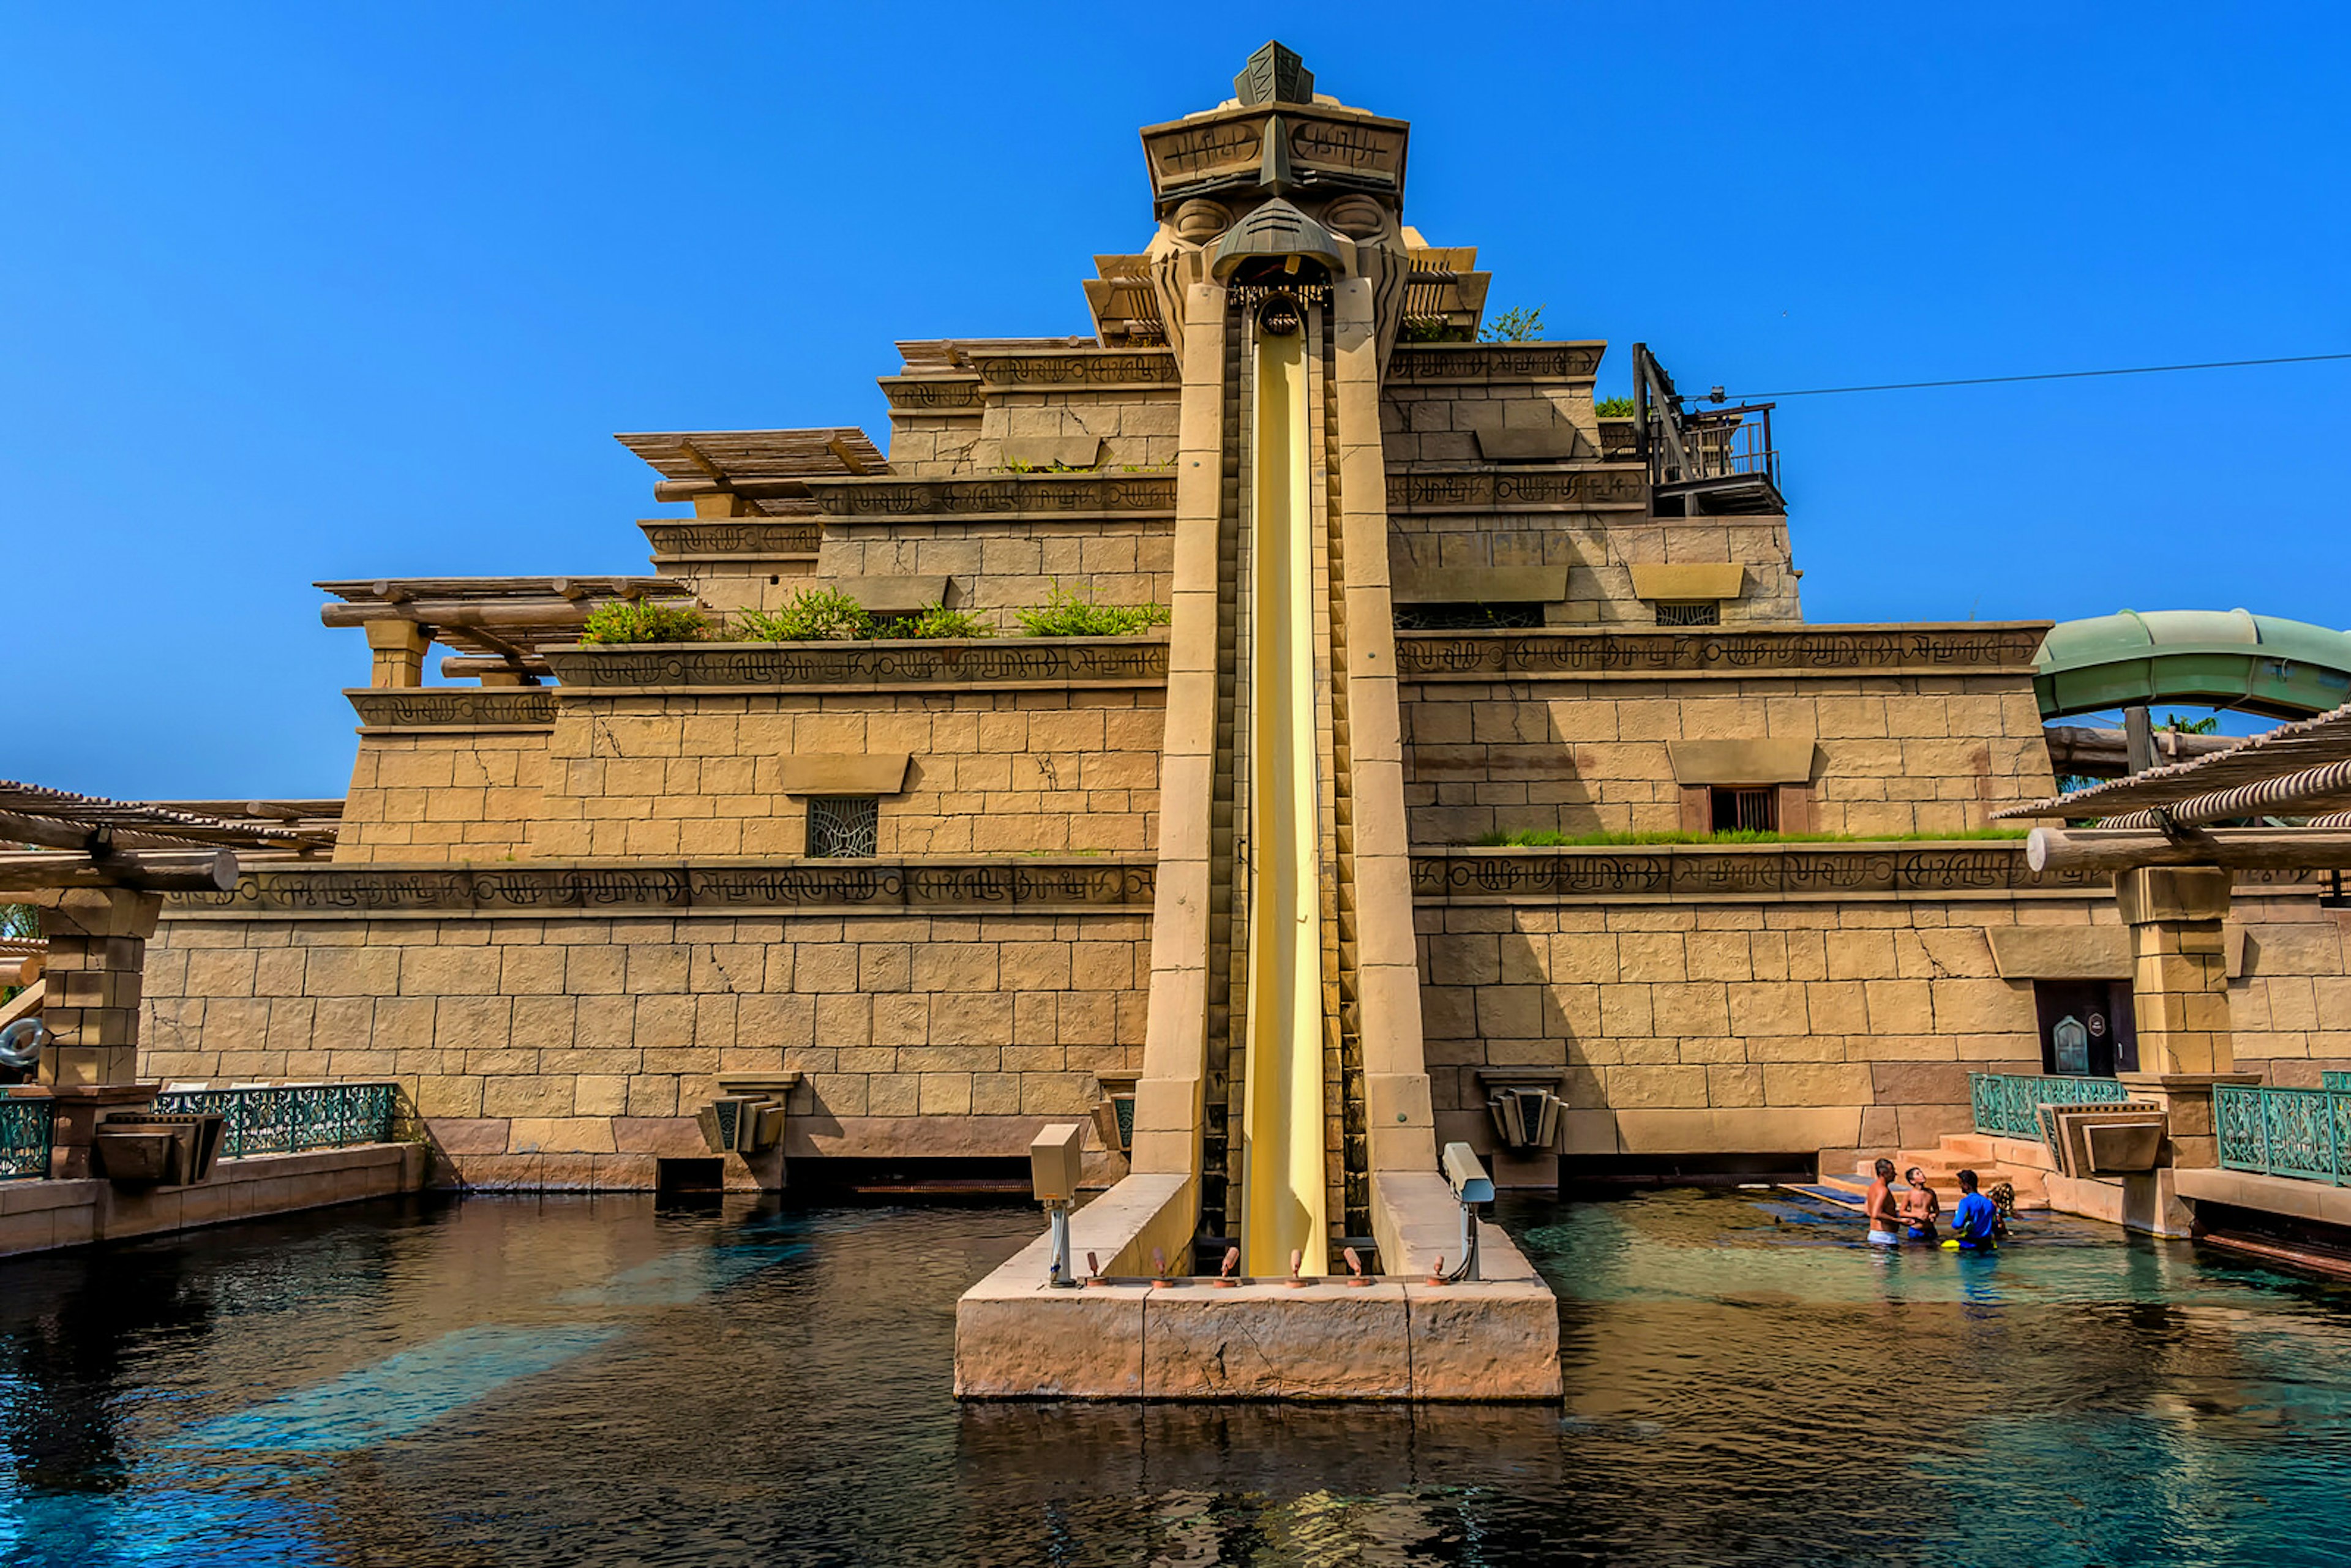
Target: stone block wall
993, 772
1901, 754
576, 1051
997, 567
1600, 551
2289, 990
1831, 1026
447, 796
1437, 422
1137, 425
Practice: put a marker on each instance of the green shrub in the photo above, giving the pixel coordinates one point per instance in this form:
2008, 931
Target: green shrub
1067, 614
1514, 326
636, 621
1614, 407
936, 621
811, 615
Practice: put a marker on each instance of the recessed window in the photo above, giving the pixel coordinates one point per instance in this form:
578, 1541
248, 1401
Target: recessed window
1690, 612
1746, 810
844, 826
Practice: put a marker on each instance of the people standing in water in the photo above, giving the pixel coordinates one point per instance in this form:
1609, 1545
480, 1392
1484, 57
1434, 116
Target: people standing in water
1920, 1207
1975, 1224
1885, 1224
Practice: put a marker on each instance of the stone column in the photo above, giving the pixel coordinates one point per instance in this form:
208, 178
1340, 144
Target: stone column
2180, 986
97, 963
399, 647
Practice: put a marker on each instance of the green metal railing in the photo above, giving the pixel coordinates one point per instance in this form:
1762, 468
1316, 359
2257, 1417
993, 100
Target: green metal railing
2299, 1132
2340, 1083
291, 1118
26, 1127
2006, 1103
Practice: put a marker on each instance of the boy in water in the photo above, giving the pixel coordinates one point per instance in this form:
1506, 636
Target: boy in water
1920, 1207
1975, 1224
1885, 1225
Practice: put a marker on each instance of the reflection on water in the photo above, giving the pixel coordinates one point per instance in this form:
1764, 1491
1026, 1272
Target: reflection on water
585, 1380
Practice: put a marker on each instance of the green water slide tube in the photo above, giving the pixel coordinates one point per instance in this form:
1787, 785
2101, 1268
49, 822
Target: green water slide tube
2210, 658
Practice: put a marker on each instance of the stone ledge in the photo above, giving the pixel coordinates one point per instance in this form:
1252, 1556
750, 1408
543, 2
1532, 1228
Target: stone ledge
1592, 488
454, 708
43, 1214
2268, 1194
1989, 647
1710, 872
1038, 495
927, 665
628, 886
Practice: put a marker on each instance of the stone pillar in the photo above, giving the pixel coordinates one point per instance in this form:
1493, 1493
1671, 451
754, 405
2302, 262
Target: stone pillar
399, 647
2180, 986
97, 963
2179, 967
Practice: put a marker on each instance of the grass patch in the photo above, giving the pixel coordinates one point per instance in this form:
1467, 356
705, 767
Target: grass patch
1546, 839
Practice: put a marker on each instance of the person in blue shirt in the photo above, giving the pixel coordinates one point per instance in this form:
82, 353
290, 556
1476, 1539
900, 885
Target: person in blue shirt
1975, 1224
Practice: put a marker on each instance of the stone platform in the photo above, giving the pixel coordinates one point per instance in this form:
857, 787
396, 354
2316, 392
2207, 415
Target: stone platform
38, 1216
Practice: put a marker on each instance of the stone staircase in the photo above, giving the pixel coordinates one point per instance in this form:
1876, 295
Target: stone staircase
2022, 1163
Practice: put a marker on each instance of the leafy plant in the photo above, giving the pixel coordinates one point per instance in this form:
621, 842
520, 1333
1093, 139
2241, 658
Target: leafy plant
1514, 326
936, 621
813, 615
1612, 407
1068, 614
637, 620
1426, 330
2209, 724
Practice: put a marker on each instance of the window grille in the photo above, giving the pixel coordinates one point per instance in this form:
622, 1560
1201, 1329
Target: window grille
1746, 810
1697, 612
844, 826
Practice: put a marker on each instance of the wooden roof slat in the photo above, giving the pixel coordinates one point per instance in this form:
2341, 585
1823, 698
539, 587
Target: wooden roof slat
2289, 748
157, 820
732, 455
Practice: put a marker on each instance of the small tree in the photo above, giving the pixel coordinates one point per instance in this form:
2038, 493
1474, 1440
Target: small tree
1513, 325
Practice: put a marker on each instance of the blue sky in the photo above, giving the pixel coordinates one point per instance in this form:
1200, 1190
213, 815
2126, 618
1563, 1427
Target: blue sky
311, 291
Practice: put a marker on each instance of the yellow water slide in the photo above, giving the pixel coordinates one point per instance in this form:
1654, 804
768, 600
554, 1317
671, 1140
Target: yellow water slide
1282, 1173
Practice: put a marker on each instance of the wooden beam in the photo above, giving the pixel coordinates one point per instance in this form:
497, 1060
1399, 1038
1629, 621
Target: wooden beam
154, 871
2236, 848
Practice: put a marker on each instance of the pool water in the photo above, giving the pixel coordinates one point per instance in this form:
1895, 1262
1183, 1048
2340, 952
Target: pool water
518, 1380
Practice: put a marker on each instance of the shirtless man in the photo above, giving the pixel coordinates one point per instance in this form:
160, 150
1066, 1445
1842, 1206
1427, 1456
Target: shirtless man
1885, 1224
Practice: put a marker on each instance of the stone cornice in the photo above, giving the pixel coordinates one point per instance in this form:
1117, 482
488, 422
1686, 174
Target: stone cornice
931, 394
729, 536
455, 707
1606, 487
1415, 364
1979, 647
1006, 496
717, 886
1060, 369
1708, 873
941, 664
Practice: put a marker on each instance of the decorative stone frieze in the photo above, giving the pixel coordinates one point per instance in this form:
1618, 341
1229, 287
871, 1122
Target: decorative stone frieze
1984, 647
622, 886
455, 708
722, 538
1073, 368
931, 394
1546, 490
1484, 362
1709, 872
942, 663
1011, 496
1355, 149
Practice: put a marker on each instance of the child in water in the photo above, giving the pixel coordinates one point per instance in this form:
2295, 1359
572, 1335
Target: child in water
1920, 1207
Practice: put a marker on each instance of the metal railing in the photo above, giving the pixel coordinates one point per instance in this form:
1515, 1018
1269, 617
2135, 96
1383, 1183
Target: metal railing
2299, 1132
26, 1126
2006, 1105
288, 1119
2340, 1083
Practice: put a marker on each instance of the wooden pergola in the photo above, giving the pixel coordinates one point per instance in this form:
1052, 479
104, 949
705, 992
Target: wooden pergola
88, 840
766, 470
2172, 815
495, 625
